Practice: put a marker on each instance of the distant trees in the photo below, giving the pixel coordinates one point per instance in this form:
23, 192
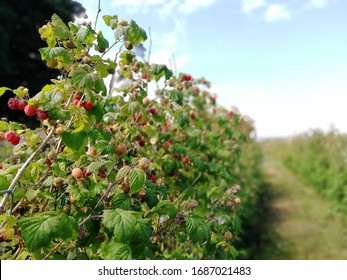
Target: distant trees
20, 59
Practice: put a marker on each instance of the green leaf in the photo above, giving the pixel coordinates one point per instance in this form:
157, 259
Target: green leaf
83, 79
169, 165
122, 201
38, 231
136, 34
85, 35
143, 232
197, 229
176, 96
110, 21
3, 90
4, 182
75, 141
58, 113
80, 194
60, 29
56, 52
116, 251
161, 69
102, 42
137, 179
151, 198
166, 207
121, 222
182, 118
123, 172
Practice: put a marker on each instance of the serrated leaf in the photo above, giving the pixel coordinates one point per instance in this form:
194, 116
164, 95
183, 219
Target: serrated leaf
116, 251
176, 96
169, 165
122, 201
166, 207
137, 178
83, 79
58, 113
4, 182
121, 222
75, 141
3, 90
123, 172
83, 34
110, 21
161, 69
102, 42
38, 231
136, 34
55, 52
151, 198
81, 195
182, 119
143, 232
197, 229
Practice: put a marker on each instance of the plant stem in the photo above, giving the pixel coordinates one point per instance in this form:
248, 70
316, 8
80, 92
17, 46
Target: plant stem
53, 250
24, 167
97, 14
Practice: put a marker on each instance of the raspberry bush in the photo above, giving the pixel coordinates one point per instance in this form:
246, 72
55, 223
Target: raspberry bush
119, 173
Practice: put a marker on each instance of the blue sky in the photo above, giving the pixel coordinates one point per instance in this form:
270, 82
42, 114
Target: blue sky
283, 63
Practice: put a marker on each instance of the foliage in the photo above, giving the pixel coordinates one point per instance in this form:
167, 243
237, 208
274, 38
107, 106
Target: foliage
120, 175
320, 159
20, 42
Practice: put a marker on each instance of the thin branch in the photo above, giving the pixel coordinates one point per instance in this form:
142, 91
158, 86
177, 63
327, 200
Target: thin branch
24, 167
150, 44
53, 250
97, 14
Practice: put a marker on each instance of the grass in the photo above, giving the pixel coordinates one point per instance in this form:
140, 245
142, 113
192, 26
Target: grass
299, 224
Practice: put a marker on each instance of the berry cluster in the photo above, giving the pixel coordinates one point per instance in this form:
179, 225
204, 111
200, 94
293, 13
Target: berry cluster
12, 137
86, 104
16, 104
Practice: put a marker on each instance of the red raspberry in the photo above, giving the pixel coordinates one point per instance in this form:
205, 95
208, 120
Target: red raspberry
13, 103
30, 110
12, 137
187, 77
42, 115
153, 110
75, 102
89, 105
21, 104
1, 167
16, 140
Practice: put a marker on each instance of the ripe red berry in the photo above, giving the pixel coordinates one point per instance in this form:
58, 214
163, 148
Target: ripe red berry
21, 104
196, 89
77, 97
186, 160
89, 105
30, 110
144, 76
75, 102
153, 110
1, 167
153, 179
12, 137
192, 116
13, 103
42, 115
230, 113
187, 77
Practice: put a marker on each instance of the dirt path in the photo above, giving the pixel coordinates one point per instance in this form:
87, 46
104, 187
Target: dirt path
302, 224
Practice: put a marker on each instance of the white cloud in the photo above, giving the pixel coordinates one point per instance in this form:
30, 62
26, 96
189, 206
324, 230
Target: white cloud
276, 12
166, 7
191, 6
317, 3
250, 5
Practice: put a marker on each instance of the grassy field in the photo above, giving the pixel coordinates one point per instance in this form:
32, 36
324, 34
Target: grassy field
299, 223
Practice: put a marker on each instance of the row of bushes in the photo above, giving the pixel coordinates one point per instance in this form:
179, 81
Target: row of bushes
321, 160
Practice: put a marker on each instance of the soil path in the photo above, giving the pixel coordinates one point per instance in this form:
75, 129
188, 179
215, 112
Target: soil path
303, 225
